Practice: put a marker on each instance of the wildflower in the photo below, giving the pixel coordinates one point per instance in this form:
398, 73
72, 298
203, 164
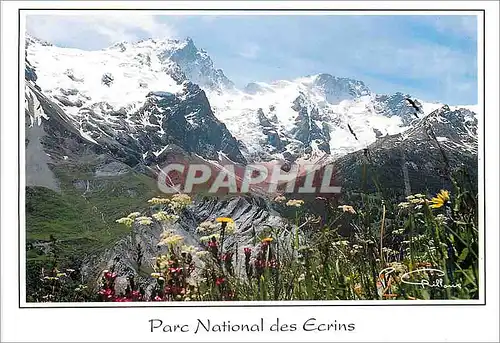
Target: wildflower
247, 251
272, 263
230, 228
441, 198
180, 201
398, 267
61, 274
157, 298
202, 253
226, 257
134, 215
126, 221
279, 199
122, 299
267, 240
441, 219
208, 238
107, 293
347, 208
219, 281
403, 204
358, 289
50, 278
109, 275
158, 201
295, 203
156, 275
144, 220
80, 288
212, 244
398, 231
188, 249
164, 216
206, 226
170, 239
174, 270
224, 220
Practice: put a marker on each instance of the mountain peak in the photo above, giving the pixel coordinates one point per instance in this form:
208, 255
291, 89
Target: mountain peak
336, 89
30, 39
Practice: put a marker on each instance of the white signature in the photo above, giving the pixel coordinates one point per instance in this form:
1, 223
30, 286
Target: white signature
406, 277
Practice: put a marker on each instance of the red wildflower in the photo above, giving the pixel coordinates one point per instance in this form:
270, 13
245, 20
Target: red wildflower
226, 257
136, 295
272, 264
108, 293
157, 298
110, 275
174, 270
248, 251
122, 299
219, 281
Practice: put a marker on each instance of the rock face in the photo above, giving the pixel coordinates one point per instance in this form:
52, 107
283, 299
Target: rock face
397, 105
250, 214
439, 144
337, 89
198, 67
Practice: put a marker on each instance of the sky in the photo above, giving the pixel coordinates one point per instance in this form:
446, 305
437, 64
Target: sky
433, 58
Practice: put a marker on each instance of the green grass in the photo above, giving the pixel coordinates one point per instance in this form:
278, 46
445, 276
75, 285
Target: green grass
84, 224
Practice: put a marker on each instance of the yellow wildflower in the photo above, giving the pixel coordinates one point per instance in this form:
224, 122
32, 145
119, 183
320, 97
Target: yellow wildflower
230, 228
224, 220
171, 240
156, 275
180, 201
267, 240
280, 199
126, 221
202, 253
189, 249
295, 203
158, 201
441, 198
358, 289
347, 208
206, 226
144, 220
164, 216
134, 215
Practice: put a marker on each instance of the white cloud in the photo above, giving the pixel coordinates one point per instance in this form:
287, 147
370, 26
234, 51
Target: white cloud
96, 31
465, 26
250, 51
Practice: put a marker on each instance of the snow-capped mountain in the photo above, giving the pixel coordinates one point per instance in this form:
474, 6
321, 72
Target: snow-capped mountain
130, 89
98, 123
133, 96
314, 115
